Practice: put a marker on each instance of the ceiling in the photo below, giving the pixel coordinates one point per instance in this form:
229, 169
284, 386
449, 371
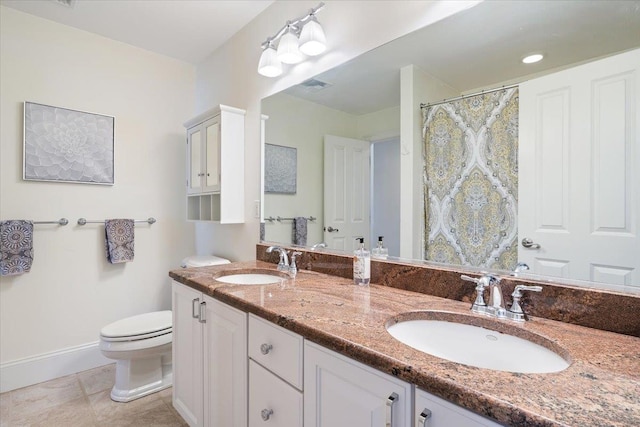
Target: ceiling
188, 30
482, 48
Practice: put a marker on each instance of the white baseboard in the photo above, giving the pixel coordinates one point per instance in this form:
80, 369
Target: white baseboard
44, 367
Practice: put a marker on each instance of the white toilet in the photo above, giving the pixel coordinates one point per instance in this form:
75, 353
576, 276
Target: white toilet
141, 347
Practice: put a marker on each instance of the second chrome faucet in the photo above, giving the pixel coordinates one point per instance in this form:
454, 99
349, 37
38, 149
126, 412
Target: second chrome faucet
496, 306
283, 264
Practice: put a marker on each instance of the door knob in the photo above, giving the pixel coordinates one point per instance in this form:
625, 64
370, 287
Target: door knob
331, 229
528, 243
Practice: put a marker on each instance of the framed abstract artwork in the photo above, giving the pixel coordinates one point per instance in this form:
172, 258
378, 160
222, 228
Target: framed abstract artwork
280, 169
63, 145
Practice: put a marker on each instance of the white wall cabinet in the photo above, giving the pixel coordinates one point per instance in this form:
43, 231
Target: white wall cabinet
209, 360
340, 392
432, 411
215, 166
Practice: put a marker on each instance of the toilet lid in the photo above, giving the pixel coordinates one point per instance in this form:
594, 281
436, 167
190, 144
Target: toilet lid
141, 326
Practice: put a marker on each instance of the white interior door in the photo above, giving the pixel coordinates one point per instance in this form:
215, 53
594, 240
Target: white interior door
346, 191
579, 171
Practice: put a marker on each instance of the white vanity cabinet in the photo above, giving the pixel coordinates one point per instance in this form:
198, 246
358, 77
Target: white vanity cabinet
215, 165
342, 392
432, 411
209, 360
275, 375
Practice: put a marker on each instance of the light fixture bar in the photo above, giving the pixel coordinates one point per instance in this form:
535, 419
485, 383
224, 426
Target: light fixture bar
294, 24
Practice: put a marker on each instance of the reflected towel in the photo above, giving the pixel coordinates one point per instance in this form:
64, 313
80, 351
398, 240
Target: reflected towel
16, 247
300, 231
119, 240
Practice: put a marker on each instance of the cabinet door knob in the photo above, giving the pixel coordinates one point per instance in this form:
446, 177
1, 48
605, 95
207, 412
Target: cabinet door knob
423, 417
266, 348
391, 400
266, 414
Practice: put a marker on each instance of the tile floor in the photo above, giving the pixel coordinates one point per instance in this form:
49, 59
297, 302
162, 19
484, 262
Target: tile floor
82, 400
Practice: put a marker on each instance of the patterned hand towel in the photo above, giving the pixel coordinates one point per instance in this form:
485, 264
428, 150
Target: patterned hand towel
119, 240
300, 231
16, 247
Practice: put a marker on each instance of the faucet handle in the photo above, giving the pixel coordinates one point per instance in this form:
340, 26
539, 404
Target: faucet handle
293, 268
516, 309
480, 285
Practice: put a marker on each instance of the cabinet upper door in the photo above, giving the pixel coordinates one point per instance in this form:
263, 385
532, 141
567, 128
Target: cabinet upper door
194, 160
211, 129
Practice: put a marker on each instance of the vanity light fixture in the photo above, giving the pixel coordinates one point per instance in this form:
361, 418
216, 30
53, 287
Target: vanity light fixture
530, 59
299, 37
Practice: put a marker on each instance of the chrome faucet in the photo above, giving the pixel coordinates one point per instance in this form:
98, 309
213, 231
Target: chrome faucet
318, 246
520, 267
283, 265
495, 307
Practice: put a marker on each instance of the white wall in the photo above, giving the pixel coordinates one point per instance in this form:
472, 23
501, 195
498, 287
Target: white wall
294, 122
71, 291
229, 76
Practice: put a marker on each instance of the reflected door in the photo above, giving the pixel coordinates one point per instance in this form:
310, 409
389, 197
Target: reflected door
346, 191
579, 169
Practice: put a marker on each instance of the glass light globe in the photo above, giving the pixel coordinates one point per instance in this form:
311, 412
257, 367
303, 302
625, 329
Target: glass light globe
312, 39
269, 64
288, 51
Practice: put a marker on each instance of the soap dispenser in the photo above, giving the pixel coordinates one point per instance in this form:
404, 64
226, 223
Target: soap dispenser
380, 252
361, 264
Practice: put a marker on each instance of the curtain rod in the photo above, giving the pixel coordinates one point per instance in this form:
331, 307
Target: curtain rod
431, 104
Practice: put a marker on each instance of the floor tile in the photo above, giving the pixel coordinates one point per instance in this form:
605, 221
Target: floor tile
36, 398
5, 409
76, 413
106, 409
166, 395
98, 379
157, 414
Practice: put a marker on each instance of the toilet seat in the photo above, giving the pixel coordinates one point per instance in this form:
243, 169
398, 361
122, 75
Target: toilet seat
140, 327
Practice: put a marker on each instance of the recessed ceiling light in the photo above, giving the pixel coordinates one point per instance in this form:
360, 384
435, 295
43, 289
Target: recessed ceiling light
532, 58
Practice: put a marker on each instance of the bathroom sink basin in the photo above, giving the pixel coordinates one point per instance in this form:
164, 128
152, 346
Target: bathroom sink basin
478, 346
250, 279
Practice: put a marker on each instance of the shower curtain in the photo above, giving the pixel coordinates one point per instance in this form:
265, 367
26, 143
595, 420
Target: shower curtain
471, 180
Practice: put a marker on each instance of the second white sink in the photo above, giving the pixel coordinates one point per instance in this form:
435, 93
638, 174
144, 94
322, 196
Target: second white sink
477, 346
250, 279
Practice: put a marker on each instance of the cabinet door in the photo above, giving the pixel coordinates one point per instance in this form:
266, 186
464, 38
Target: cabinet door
272, 401
340, 392
225, 367
194, 160
187, 354
432, 411
211, 166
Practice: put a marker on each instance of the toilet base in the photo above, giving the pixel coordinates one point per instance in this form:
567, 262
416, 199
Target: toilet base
136, 378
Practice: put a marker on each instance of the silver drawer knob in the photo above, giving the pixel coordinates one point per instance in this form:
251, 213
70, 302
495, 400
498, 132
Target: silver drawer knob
266, 348
266, 414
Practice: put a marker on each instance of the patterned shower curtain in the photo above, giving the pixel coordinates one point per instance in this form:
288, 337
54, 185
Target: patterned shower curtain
471, 180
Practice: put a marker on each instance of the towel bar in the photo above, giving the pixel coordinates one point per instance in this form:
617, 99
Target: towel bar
280, 219
61, 221
83, 221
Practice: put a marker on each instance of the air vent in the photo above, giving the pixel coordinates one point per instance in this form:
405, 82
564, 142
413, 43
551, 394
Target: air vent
66, 3
314, 85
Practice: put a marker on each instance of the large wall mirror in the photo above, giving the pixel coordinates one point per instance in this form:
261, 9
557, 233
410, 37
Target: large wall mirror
380, 122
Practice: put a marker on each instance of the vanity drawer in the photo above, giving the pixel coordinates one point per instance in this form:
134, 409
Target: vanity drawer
277, 349
272, 400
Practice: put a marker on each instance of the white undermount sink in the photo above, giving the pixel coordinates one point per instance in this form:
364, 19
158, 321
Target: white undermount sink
250, 279
477, 346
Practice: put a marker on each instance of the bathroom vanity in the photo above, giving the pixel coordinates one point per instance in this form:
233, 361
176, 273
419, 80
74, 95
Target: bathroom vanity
318, 354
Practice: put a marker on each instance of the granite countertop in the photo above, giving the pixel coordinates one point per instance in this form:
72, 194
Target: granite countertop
601, 387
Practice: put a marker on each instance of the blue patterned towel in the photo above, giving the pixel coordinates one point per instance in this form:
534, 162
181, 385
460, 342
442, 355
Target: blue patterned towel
300, 231
16, 247
119, 240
